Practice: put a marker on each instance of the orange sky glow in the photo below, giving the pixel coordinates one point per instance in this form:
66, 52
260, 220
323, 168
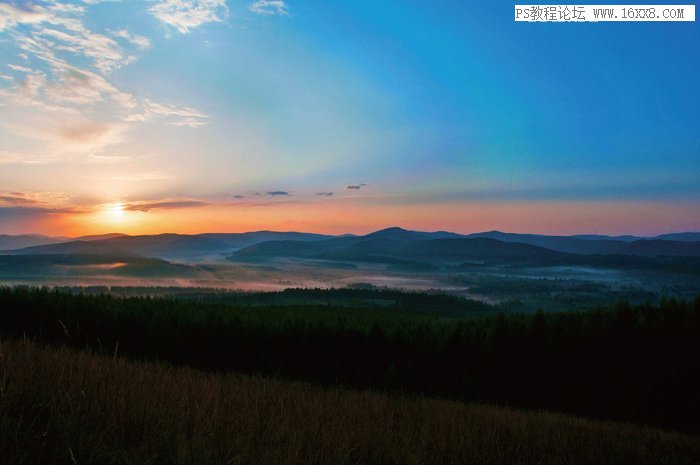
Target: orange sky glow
347, 216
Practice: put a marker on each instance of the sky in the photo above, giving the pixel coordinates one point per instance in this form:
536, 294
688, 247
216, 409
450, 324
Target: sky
196, 116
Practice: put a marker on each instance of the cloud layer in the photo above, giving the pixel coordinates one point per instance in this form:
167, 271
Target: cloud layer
185, 15
62, 75
270, 7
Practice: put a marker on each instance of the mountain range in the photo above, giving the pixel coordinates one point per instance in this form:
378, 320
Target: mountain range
392, 245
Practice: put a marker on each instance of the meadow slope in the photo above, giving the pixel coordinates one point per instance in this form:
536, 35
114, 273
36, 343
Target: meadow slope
58, 405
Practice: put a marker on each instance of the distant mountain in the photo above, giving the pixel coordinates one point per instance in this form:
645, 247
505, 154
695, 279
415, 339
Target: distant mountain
32, 240
599, 237
240, 240
601, 245
567, 244
372, 249
389, 244
681, 237
27, 240
164, 246
399, 244
400, 234
99, 237
480, 249
659, 247
76, 265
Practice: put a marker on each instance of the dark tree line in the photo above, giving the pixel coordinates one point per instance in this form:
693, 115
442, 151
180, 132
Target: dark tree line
637, 363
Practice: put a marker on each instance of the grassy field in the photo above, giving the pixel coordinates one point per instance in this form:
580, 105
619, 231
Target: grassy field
627, 363
58, 405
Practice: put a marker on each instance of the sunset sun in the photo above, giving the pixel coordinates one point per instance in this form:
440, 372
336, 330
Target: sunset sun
114, 213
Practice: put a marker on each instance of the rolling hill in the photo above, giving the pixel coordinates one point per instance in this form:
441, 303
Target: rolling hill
77, 265
164, 246
391, 245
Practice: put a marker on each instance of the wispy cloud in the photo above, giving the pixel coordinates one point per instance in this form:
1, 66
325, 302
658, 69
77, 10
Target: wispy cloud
164, 204
185, 15
16, 199
269, 7
325, 194
141, 42
32, 198
277, 193
21, 69
66, 71
30, 213
11, 16
178, 115
355, 187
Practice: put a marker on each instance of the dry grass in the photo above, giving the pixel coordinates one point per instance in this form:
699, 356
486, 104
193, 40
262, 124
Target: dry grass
62, 406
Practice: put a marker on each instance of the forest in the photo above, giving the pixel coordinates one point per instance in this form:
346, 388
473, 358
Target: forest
635, 363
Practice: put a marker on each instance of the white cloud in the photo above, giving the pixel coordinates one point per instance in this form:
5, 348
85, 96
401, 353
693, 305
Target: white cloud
69, 76
141, 42
102, 50
185, 15
190, 122
36, 197
78, 86
270, 7
179, 115
11, 16
21, 69
31, 85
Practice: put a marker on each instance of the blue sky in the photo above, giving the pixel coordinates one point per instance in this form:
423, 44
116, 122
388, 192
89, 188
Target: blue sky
426, 106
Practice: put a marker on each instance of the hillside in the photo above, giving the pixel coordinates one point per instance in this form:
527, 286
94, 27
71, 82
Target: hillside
91, 409
79, 265
165, 246
391, 243
8, 242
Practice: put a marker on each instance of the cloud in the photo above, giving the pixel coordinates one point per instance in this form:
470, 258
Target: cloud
82, 87
32, 198
89, 135
239, 196
66, 71
141, 42
17, 198
11, 16
19, 213
269, 7
185, 15
272, 194
355, 187
21, 69
179, 115
164, 204
73, 37
31, 85
325, 194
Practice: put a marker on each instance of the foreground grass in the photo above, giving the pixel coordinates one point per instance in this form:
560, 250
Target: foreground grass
58, 406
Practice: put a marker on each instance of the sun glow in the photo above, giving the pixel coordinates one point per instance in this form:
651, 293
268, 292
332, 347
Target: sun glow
113, 213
